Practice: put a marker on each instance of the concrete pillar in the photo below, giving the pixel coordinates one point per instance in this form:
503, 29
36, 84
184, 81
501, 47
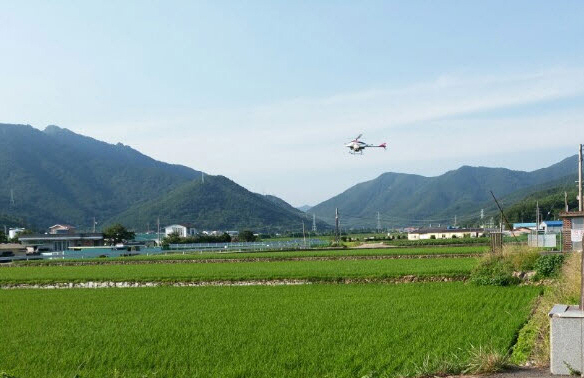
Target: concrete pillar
566, 335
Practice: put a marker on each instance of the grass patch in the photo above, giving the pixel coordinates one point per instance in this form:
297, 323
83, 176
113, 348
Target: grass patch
533, 340
291, 331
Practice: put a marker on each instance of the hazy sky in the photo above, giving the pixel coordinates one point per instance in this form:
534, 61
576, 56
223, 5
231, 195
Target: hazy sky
268, 92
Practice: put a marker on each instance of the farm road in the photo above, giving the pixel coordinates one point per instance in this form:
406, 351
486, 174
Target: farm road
518, 373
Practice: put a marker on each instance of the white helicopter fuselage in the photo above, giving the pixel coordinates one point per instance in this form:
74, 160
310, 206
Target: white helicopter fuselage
356, 146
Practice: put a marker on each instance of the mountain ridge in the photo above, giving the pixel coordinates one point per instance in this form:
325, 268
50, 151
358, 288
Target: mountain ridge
56, 176
407, 199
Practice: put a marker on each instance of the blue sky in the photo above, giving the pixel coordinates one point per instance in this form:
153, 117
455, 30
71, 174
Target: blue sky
267, 93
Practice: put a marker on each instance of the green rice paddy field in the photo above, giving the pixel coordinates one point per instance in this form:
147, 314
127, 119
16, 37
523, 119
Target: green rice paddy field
275, 255
235, 271
254, 331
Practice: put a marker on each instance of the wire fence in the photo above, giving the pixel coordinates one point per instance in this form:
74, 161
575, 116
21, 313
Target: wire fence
250, 246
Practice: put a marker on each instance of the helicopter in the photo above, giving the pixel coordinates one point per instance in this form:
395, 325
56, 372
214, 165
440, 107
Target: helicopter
356, 146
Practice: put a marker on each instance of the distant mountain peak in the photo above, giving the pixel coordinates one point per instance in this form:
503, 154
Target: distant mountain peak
54, 129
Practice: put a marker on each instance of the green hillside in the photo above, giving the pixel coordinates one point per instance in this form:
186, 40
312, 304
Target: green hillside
551, 202
404, 200
218, 203
56, 175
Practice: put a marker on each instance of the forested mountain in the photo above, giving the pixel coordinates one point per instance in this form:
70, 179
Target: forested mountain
218, 203
404, 199
57, 176
521, 206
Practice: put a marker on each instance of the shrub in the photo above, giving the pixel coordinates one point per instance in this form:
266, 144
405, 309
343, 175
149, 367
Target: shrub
548, 265
494, 270
498, 269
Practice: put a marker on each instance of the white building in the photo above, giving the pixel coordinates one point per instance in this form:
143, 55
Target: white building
60, 229
183, 230
551, 227
13, 232
445, 233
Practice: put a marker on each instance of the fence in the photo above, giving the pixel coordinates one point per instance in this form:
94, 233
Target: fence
250, 246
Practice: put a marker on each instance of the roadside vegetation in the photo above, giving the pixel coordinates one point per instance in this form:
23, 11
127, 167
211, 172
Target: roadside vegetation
533, 342
515, 265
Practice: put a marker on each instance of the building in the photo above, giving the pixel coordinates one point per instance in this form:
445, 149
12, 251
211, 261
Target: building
13, 232
60, 242
520, 231
551, 227
11, 249
531, 226
573, 230
445, 233
60, 229
183, 230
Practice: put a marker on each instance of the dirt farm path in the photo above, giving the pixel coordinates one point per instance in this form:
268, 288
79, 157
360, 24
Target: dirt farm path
517, 373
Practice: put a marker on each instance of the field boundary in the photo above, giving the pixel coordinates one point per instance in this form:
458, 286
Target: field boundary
244, 260
276, 282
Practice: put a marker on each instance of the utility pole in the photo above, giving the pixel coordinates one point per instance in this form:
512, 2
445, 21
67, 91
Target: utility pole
158, 223
566, 201
94, 223
303, 234
314, 223
580, 179
537, 224
337, 225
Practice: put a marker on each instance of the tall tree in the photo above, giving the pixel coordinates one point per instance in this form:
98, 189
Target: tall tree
117, 234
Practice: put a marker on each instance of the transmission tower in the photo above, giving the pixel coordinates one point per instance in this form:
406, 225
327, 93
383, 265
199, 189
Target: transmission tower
314, 223
378, 222
337, 225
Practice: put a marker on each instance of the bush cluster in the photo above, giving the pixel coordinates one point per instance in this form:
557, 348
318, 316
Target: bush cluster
549, 265
509, 267
403, 243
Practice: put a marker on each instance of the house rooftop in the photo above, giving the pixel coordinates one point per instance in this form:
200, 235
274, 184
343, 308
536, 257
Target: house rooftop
87, 236
554, 223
